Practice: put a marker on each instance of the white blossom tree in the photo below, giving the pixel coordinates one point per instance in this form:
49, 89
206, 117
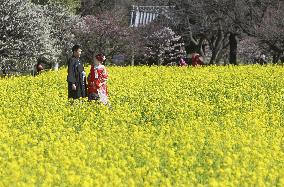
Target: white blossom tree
62, 23
29, 31
19, 26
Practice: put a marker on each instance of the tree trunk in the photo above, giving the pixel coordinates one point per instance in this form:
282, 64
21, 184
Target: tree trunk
217, 45
233, 49
216, 51
132, 57
213, 57
200, 47
282, 59
56, 66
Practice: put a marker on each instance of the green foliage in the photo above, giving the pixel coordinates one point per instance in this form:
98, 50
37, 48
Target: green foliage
72, 5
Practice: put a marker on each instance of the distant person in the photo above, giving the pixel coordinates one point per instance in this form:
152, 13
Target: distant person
196, 59
97, 80
39, 67
76, 77
182, 62
262, 59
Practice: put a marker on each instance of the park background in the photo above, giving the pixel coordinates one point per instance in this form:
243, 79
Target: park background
222, 32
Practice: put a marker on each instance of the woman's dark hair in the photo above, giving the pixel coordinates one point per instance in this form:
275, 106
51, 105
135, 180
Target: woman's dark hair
100, 57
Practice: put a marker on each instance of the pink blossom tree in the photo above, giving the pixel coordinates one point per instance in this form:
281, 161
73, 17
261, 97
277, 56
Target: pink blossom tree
163, 46
105, 33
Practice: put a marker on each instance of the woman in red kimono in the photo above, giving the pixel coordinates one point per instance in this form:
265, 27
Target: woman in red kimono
97, 79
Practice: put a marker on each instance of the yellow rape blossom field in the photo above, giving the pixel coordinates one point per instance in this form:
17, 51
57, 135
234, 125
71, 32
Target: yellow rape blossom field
169, 126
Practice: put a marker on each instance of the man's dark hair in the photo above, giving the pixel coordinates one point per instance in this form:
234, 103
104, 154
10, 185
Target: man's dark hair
75, 48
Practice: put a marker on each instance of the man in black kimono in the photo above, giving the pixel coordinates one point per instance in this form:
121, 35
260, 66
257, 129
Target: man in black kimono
76, 75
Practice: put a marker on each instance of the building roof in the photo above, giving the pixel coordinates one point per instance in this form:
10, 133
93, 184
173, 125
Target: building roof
143, 15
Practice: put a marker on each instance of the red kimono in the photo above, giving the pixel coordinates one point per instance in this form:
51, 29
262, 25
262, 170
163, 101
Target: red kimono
97, 88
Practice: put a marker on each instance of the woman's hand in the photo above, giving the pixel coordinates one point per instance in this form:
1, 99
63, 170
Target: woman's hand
74, 87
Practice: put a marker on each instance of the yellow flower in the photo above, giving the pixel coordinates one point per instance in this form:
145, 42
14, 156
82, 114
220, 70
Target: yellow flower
206, 126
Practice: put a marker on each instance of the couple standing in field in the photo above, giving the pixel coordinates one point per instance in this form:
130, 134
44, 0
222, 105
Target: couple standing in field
95, 87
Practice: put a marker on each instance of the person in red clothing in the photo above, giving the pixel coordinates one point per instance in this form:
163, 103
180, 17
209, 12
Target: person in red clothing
182, 62
196, 59
38, 68
97, 79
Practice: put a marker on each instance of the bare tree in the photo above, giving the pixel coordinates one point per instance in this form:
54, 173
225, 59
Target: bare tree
201, 22
219, 23
270, 33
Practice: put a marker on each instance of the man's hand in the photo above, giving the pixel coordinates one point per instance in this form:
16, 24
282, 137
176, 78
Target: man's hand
73, 87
